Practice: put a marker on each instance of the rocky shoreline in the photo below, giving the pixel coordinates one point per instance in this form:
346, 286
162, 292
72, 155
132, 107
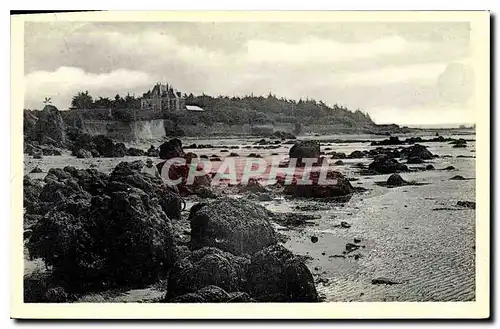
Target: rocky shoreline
101, 235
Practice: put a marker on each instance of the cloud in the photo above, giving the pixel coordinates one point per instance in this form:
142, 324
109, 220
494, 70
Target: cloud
65, 82
322, 50
422, 73
373, 67
424, 115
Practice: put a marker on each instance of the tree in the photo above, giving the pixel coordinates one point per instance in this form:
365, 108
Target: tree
103, 103
82, 100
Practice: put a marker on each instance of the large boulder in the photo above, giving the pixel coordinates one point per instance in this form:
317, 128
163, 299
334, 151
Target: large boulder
171, 149
82, 141
103, 144
234, 225
49, 128
303, 150
98, 231
205, 267
341, 186
386, 165
276, 274
417, 151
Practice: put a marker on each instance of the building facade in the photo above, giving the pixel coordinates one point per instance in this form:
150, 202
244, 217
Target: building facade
163, 98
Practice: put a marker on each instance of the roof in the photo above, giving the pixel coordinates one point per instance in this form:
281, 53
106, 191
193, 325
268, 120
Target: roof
194, 108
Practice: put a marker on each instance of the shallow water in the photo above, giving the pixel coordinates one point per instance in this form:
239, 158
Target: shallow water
430, 252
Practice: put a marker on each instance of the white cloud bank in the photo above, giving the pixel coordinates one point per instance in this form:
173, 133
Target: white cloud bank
390, 77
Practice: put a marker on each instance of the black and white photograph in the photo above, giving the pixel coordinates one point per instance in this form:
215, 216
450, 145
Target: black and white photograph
263, 161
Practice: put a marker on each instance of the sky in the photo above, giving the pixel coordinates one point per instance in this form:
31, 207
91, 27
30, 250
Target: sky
403, 73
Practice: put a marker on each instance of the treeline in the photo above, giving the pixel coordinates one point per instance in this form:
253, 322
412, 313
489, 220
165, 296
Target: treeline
271, 109
83, 100
254, 110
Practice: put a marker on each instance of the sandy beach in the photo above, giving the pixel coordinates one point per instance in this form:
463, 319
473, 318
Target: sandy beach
414, 236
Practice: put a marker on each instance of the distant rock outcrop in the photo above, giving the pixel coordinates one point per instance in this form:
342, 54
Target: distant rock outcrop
48, 129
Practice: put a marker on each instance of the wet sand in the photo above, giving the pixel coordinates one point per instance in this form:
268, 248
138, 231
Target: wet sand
430, 253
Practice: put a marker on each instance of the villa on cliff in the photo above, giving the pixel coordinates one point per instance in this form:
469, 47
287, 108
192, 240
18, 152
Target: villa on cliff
163, 98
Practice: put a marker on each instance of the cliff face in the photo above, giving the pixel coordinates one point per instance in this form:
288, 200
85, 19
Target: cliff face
48, 126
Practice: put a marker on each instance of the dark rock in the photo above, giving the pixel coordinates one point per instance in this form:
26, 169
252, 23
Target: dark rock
37, 154
356, 155
82, 154
349, 247
413, 140
118, 150
314, 239
414, 160
386, 165
275, 270
305, 149
341, 187
429, 167
50, 150
180, 173
293, 219
233, 154
396, 180
345, 224
188, 298
339, 162
254, 155
337, 155
36, 170
467, 204
152, 152
85, 238
253, 186
391, 141
127, 174
41, 288
206, 267
49, 128
457, 177
283, 135
237, 226
417, 151
31, 192
449, 168
171, 149
135, 152
385, 281
459, 143
240, 297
